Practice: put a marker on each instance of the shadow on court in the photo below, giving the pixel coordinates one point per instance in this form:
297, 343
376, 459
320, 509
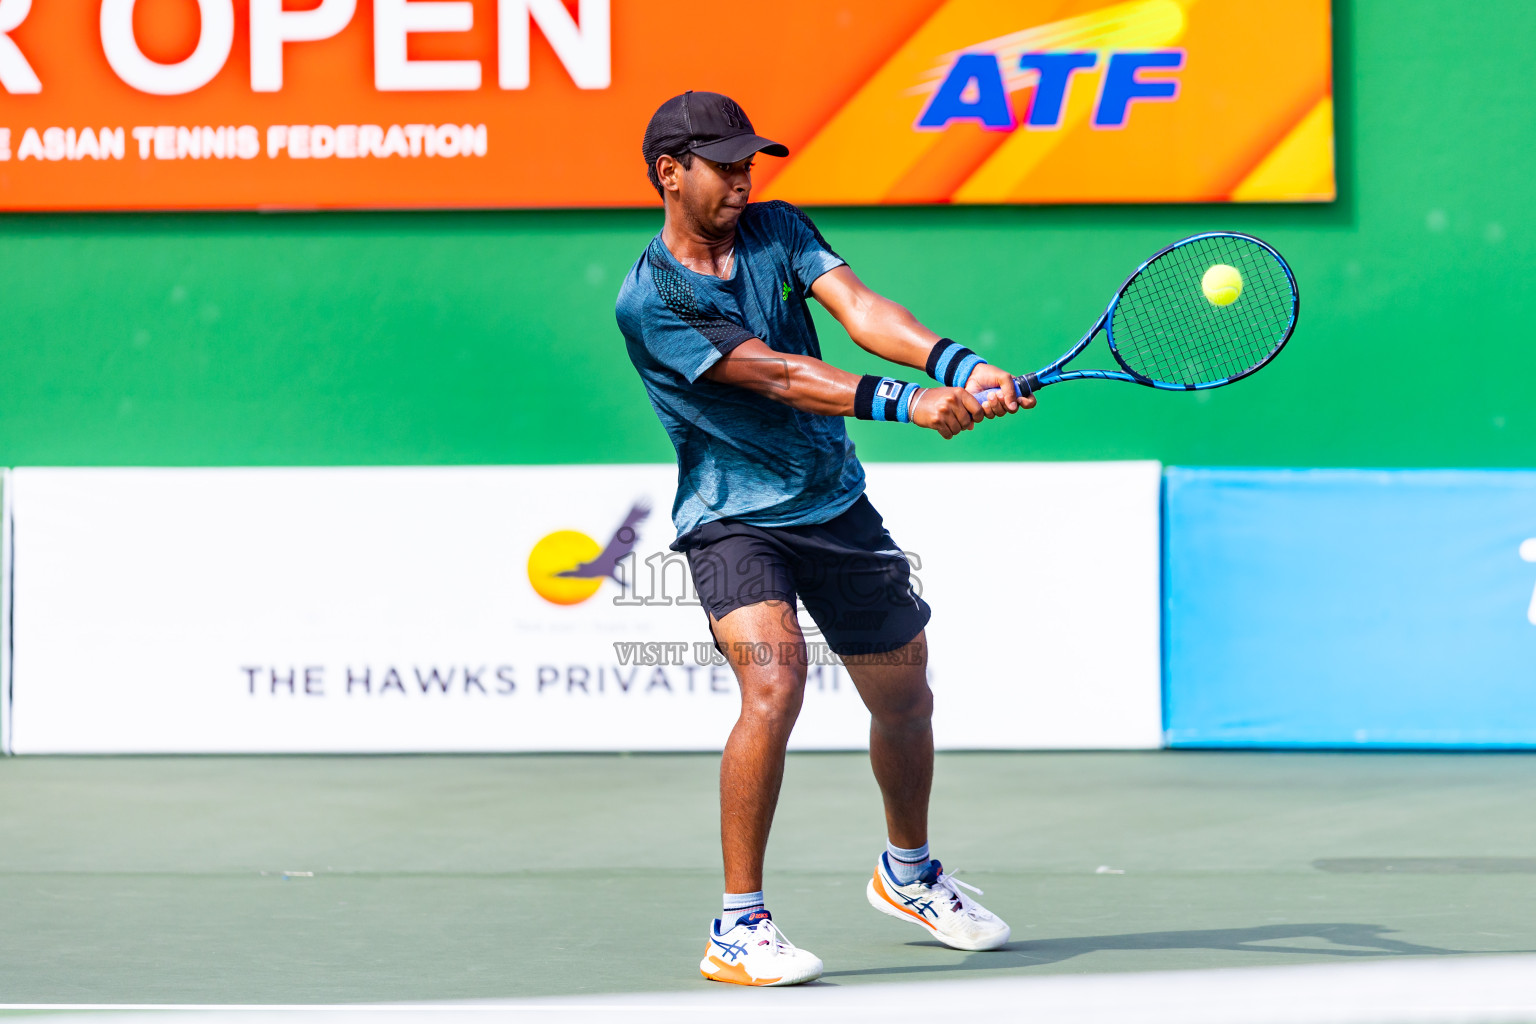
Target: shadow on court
1338, 940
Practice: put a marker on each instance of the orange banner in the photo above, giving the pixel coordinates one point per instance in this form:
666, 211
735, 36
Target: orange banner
177, 104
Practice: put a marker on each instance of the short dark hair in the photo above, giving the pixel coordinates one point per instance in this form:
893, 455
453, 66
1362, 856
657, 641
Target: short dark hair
686, 159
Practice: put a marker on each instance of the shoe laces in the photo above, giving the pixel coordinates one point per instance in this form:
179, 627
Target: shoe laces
766, 933
963, 904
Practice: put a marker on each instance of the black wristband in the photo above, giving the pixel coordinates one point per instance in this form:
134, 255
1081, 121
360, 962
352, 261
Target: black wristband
884, 398
950, 363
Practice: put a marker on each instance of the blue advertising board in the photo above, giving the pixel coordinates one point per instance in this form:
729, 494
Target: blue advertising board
1347, 608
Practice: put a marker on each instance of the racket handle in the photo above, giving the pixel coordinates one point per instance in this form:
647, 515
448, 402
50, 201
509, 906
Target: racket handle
1025, 385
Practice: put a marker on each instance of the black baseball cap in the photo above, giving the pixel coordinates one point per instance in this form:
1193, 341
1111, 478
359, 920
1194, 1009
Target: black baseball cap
706, 123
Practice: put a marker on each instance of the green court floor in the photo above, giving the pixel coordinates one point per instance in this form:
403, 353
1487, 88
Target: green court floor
293, 880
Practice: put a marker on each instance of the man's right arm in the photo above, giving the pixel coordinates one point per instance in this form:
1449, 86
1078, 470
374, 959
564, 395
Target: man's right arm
810, 385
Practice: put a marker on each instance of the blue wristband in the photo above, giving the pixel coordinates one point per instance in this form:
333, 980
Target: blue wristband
885, 399
950, 363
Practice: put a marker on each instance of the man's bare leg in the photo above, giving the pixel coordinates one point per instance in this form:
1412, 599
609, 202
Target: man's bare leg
895, 689
752, 767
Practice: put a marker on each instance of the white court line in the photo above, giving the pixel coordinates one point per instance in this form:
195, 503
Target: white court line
1459, 990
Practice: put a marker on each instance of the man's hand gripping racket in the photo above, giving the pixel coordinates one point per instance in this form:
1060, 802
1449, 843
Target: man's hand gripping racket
1204, 312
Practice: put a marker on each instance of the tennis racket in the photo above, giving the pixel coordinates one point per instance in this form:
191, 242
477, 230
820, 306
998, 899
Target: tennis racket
1167, 332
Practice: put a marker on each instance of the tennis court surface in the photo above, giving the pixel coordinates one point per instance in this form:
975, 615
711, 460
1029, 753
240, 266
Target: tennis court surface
317, 880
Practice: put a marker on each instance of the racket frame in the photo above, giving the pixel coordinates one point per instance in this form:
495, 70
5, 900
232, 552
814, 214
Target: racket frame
1054, 374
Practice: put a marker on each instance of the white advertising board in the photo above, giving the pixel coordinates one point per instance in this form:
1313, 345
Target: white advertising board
5, 611
382, 610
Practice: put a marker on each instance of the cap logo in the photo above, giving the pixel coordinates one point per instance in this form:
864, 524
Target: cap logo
733, 115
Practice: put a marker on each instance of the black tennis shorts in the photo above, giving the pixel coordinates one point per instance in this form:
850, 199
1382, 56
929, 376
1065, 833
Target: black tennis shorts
855, 582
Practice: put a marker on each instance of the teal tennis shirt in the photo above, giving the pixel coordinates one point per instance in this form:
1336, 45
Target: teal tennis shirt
739, 455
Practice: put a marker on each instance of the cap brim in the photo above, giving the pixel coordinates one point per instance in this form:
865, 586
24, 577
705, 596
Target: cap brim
728, 151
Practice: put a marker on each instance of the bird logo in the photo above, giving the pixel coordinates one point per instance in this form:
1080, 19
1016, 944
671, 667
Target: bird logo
567, 567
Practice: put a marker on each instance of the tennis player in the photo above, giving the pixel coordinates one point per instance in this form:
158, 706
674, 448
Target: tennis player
770, 507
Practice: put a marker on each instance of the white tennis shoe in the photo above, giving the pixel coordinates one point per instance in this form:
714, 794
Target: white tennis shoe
754, 952
936, 904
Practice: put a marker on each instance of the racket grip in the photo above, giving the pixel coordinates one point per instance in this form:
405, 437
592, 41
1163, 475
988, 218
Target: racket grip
1024, 385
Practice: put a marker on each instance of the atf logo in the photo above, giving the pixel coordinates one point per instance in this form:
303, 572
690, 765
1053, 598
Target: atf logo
1107, 59
567, 566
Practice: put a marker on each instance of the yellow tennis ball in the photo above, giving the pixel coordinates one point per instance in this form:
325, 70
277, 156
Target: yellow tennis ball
1222, 285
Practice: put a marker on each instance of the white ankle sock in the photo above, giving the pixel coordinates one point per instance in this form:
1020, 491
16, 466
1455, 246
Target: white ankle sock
737, 904
907, 866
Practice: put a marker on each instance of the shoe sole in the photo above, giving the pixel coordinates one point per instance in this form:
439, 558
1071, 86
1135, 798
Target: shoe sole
885, 906
735, 974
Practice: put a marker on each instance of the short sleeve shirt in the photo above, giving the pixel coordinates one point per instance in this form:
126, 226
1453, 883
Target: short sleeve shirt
740, 455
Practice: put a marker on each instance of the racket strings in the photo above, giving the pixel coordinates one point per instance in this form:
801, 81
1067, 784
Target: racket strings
1180, 336
1165, 328
1168, 338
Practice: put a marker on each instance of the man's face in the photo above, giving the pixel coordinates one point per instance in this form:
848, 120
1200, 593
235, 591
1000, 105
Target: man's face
712, 194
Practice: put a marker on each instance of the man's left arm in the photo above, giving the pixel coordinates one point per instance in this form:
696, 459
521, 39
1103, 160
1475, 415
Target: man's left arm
890, 331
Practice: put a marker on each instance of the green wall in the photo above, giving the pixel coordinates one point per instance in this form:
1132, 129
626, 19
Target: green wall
489, 337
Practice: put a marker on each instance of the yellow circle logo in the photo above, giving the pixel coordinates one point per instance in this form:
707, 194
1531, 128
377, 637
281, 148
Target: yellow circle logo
560, 552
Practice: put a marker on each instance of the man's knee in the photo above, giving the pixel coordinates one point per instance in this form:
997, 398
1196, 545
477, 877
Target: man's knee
773, 692
909, 707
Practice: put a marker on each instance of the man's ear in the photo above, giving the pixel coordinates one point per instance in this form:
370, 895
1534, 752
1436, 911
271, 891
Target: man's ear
668, 170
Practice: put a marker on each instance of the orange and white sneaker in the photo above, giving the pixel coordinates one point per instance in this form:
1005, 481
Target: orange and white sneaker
936, 904
754, 952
